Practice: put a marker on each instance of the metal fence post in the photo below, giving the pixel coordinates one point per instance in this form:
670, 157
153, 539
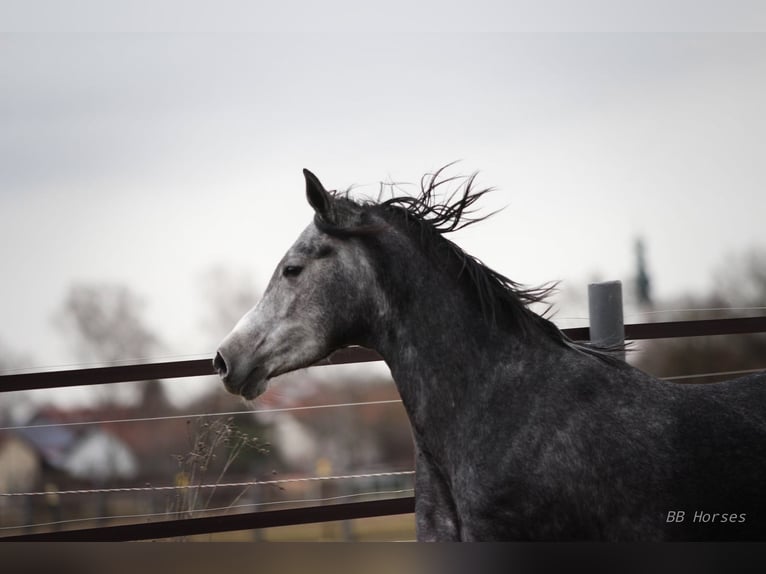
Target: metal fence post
607, 327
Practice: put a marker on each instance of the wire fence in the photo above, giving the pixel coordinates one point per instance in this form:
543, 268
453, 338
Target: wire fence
344, 511
215, 485
204, 415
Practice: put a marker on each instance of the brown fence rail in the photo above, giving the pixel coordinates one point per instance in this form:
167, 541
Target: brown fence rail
146, 372
229, 523
202, 367
254, 520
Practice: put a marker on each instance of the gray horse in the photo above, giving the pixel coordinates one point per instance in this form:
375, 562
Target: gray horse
520, 433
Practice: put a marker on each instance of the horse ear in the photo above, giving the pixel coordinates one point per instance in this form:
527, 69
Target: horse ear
316, 194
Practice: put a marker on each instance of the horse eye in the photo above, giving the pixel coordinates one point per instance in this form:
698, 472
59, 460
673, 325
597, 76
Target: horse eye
292, 270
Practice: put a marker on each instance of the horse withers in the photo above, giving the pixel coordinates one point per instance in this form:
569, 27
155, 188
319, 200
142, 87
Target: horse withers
520, 433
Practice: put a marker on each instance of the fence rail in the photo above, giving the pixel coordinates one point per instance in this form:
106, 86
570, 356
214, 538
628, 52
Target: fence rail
147, 371
265, 519
203, 367
226, 523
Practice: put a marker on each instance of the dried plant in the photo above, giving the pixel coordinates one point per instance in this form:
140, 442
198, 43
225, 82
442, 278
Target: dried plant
214, 445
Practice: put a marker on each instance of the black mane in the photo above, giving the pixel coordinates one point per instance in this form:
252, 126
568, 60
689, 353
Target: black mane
433, 218
430, 219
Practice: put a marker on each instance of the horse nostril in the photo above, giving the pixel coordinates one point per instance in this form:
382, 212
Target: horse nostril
219, 364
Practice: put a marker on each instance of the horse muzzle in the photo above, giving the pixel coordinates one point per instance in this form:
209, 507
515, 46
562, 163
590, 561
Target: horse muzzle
248, 384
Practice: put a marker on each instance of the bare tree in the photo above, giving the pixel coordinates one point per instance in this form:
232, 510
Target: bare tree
740, 289
741, 281
103, 323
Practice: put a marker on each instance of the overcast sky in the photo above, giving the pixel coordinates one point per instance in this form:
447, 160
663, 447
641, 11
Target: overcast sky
148, 159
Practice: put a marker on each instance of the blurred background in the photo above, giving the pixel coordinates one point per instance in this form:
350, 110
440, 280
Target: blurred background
150, 182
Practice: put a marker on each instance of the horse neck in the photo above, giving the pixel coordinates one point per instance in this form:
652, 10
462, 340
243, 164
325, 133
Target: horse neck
436, 341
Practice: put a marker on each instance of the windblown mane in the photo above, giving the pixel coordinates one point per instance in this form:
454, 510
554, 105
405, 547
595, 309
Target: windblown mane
432, 218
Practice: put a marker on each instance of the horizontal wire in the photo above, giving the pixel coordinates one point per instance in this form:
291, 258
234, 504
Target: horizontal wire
211, 510
202, 415
719, 374
219, 485
695, 310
